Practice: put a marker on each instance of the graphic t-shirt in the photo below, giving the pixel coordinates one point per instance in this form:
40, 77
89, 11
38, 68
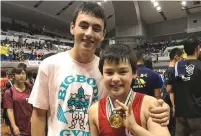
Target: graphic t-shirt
187, 90
66, 88
146, 81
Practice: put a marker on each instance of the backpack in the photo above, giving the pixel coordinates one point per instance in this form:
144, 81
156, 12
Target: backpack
5, 113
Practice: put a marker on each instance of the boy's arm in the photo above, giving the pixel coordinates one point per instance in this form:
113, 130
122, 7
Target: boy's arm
93, 117
159, 111
39, 98
135, 129
38, 122
154, 128
172, 101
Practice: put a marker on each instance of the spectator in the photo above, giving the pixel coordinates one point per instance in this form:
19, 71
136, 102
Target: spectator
147, 81
15, 101
187, 91
175, 55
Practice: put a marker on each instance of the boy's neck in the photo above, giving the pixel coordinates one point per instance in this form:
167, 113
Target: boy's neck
121, 98
82, 56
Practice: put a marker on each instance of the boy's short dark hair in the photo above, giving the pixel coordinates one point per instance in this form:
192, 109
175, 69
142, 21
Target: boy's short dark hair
174, 52
190, 45
139, 55
118, 52
90, 8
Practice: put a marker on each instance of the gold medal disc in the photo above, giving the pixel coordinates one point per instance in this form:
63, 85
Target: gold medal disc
116, 121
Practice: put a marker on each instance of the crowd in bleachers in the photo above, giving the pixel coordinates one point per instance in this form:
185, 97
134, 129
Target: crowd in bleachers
28, 45
20, 52
148, 48
152, 49
28, 51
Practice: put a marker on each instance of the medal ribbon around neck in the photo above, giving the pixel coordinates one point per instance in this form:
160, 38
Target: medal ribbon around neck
111, 106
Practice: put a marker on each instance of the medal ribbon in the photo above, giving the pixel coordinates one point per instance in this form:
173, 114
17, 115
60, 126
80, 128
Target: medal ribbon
111, 106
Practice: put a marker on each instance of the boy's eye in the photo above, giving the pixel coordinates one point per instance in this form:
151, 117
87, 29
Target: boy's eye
97, 29
109, 73
84, 26
123, 72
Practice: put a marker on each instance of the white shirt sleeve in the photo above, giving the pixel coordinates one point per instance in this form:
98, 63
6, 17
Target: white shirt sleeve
39, 97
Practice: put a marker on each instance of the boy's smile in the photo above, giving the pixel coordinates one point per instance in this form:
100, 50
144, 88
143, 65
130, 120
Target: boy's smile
117, 78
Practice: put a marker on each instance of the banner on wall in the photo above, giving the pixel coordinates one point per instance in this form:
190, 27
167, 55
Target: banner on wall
4, 50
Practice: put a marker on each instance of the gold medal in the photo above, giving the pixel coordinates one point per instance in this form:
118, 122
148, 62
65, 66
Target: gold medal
116, 121
116, 118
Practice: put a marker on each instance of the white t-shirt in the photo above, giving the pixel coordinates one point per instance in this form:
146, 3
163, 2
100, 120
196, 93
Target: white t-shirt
66, 88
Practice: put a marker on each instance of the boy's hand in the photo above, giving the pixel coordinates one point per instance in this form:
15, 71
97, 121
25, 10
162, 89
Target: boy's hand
160, 112
128, 116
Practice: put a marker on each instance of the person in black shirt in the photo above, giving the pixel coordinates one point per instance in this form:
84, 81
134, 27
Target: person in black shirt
175, 55
187, 91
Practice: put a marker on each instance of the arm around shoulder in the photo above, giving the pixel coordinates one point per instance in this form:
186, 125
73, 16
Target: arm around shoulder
153, 127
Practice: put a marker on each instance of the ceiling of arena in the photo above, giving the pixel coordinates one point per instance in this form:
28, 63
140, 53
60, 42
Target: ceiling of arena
57, 15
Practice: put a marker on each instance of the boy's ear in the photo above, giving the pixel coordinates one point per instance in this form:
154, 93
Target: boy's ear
72, 26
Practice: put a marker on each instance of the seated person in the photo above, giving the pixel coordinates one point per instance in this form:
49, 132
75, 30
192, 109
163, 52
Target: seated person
131, 117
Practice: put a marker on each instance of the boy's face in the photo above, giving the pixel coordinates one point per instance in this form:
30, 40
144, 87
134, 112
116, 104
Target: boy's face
117, 77
88, 32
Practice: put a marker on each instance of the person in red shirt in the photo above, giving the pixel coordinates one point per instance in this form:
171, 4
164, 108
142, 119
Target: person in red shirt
131, 117
16, 102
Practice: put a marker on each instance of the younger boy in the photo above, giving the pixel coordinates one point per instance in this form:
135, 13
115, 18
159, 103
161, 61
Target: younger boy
118, 65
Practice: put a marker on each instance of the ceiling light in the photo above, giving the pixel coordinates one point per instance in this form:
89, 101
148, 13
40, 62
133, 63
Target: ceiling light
153, 1
155, 4
99, 3
104, 0
158, 8
183, 3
